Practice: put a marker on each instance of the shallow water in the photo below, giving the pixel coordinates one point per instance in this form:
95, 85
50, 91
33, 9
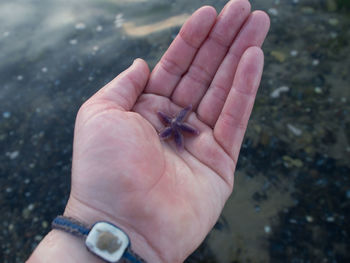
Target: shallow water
292, 192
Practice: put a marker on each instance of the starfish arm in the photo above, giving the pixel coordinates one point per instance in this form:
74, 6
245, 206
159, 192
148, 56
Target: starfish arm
179, 140
164, 118
188, 128
166, 133
182, 114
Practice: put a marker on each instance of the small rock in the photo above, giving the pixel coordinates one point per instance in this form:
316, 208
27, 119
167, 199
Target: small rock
296, 131
318, 90
273, 11
278, 55
293, 221
257, 208
290, 162
38, 238
277, 92
119, 21
19, 77
12, 155
330, 219
99, 28
315, 62
44, 69
30, 207
44, 224
333, 21
309, 219
267, 229
80, 26
294, 53
73, 41
6, 114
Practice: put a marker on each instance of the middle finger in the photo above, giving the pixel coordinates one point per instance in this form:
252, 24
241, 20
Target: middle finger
195, 82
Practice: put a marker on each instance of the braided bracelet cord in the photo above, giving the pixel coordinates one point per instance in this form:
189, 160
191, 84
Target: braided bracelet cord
79, 229
70, 225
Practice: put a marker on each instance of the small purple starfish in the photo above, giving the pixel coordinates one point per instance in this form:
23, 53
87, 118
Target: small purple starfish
175, 126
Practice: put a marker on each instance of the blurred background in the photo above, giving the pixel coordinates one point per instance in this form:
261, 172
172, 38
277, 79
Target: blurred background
291, 201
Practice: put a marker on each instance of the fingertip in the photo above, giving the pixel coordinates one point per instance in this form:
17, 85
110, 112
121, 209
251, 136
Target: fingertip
198, 26
249, 70
139, 62
209, 11
264, 19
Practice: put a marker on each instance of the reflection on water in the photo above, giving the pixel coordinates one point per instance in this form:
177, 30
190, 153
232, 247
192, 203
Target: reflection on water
132, 29
292, 192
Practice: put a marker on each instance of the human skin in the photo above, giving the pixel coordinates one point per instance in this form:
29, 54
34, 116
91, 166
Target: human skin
165, 200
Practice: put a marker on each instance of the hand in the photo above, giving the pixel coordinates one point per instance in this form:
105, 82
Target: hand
168, 200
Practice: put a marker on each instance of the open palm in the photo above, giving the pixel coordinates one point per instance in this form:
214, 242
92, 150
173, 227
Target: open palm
168, 200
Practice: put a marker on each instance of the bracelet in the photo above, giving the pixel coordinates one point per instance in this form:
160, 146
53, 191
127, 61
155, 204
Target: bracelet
103, 239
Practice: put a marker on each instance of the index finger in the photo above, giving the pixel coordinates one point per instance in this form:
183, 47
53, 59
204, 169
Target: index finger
181, 52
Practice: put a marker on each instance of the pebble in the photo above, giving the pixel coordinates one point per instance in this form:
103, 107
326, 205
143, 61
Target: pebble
293, 221
44, 224
333, 21
119, 21
315, 62
278, 55
273, 11
80, 26
330, 219
19, 77
73, 41
38, 238
309, 219
6, 34
267, 229
318, 90
26, 211
257, 208
290, 162
99, 28
44, 69
6, 114
294, 53
277, 92
296, 131
12, 155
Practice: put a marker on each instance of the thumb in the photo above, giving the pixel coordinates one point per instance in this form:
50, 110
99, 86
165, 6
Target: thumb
126, 87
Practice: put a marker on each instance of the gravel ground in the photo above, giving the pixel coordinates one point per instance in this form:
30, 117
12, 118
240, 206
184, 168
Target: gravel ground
292, 192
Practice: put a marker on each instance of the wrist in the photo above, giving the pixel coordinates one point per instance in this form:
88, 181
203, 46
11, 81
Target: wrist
89, 216
59, 246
